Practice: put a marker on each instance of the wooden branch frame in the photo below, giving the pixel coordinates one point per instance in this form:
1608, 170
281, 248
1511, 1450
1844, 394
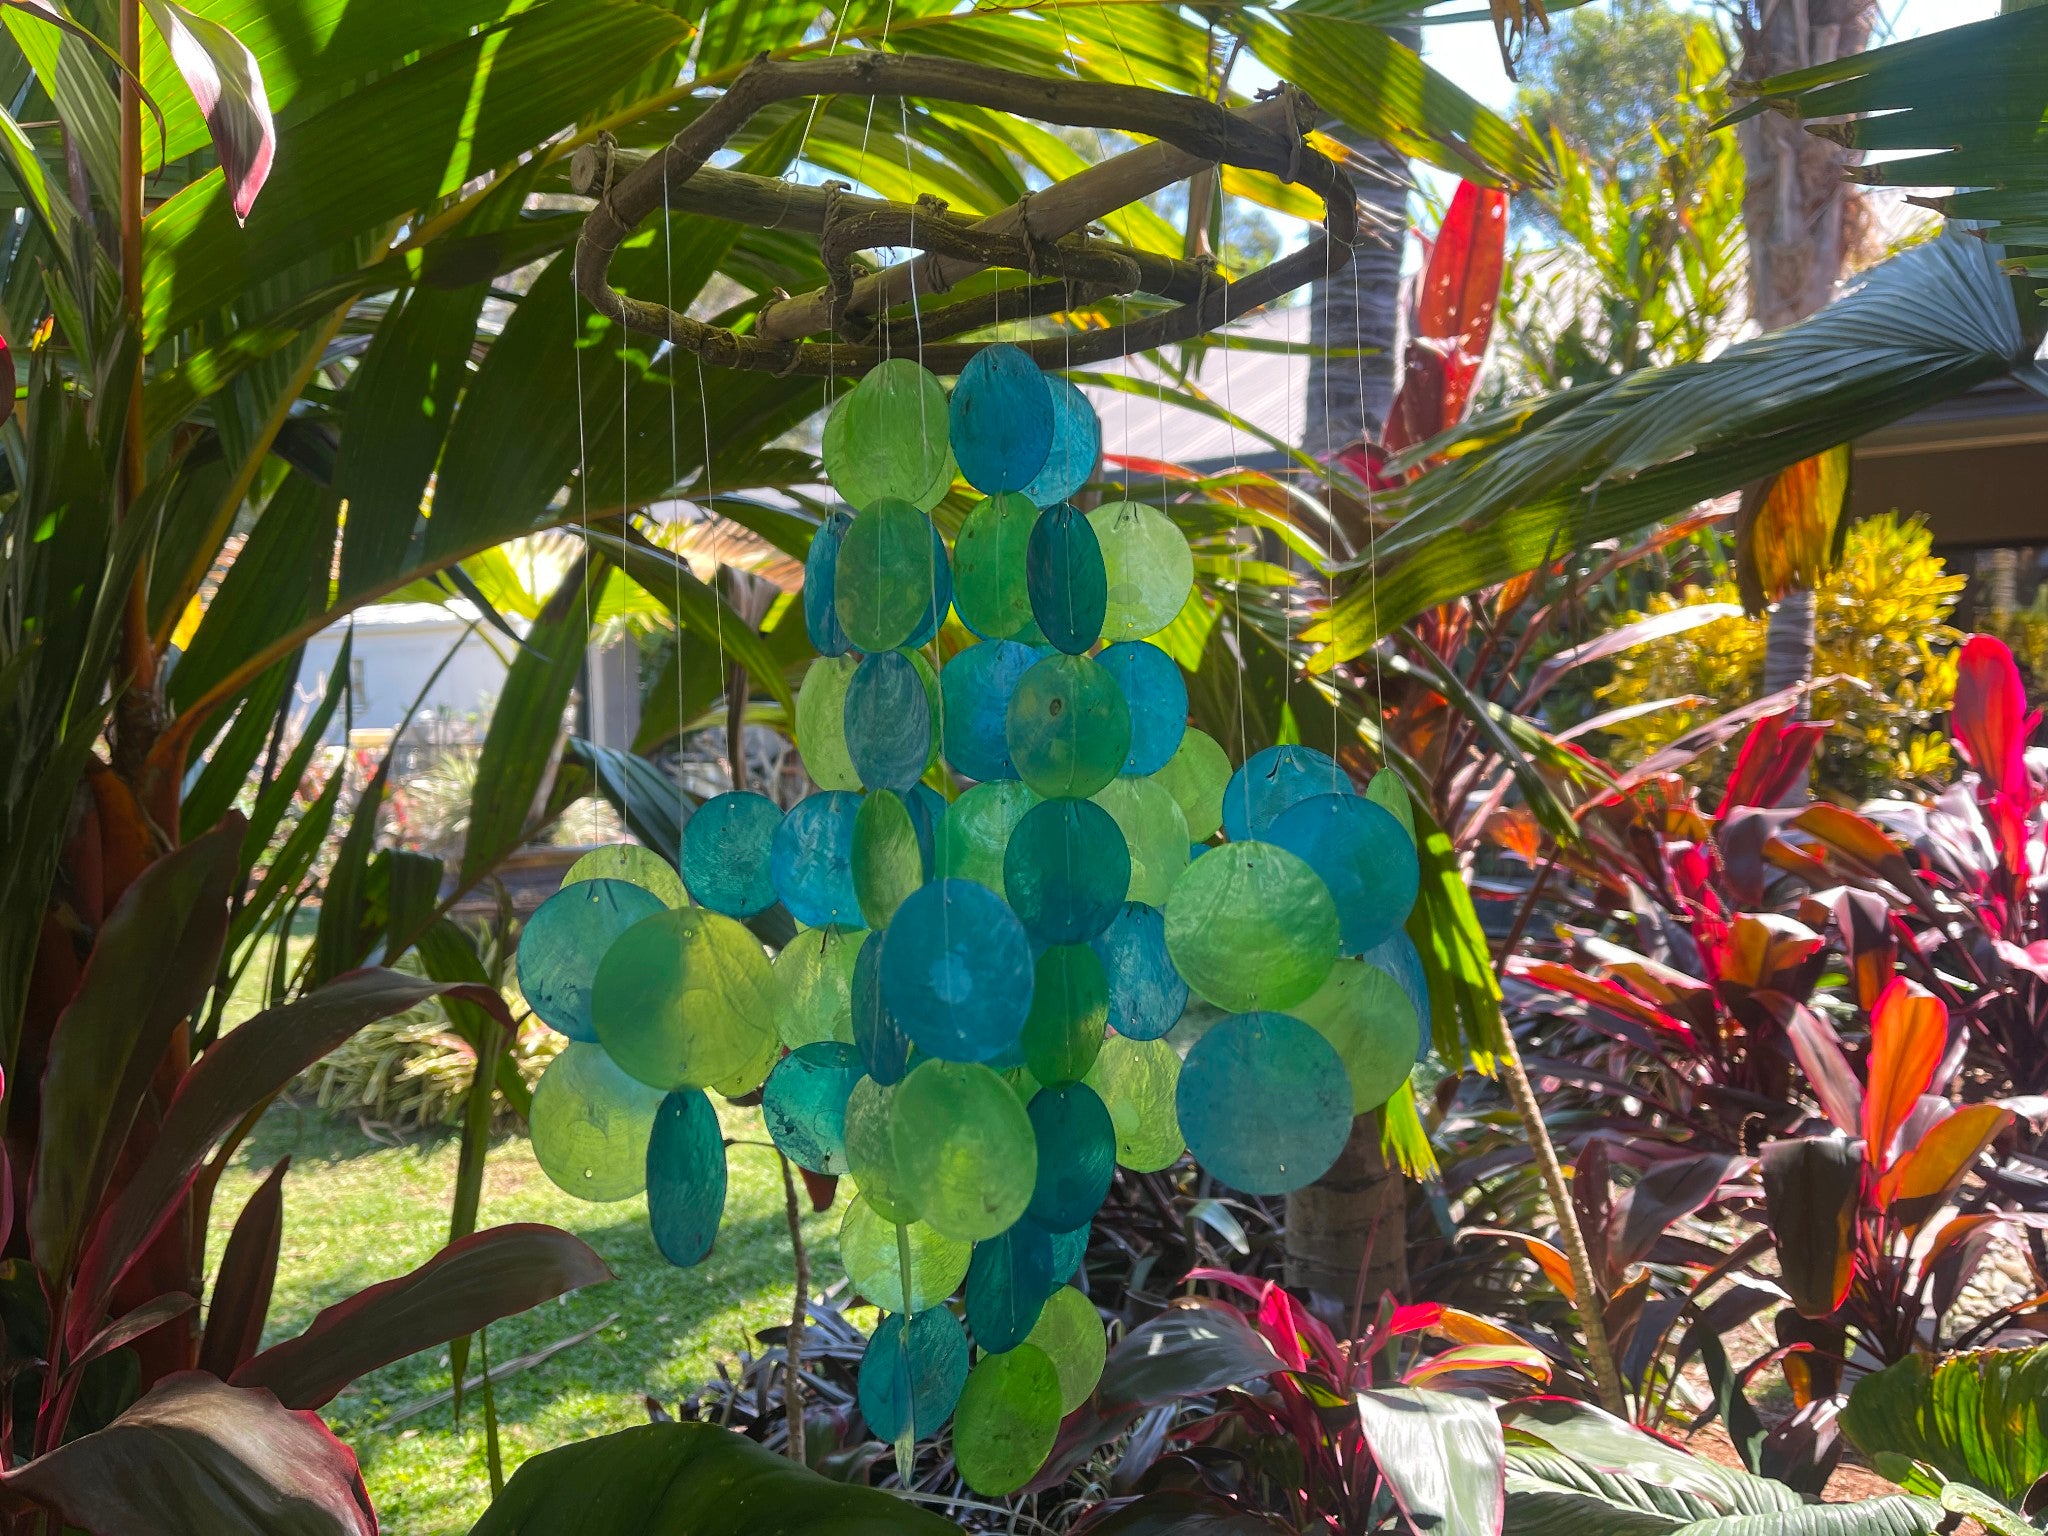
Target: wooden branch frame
1044, 234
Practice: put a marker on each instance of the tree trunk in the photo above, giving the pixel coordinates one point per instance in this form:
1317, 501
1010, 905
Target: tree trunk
1803, 222
1359, 310
1349, 397
1788, 644
1360, 1204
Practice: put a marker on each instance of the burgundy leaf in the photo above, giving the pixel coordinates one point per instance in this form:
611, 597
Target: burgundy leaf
468, 1284
226, 81
127, 1329
1660, 1197
248, 1270
6, 380
1810, 1190
1821, 1057
252, 1062
1770, 768
196, 1457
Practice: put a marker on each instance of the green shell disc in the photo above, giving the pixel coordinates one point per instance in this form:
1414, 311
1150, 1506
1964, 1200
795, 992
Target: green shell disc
888, 570
814, 986
964, 1143
1196, 776
1008, 1418
1364, 1012
1068, 727
888, 864
1069, 1010
1069, 1333
1155, 833
871, 1152
634, 865
974, 834
989, 587
686, 1000
887, 437
1250, 926
590, 1125
821, 723
867, 1251
1135, 1079
1150, 568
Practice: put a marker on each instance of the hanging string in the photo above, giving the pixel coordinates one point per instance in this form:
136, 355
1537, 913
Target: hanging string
583, 522
1372, 568
1236, 544
1329, 496
675, 476
735, 752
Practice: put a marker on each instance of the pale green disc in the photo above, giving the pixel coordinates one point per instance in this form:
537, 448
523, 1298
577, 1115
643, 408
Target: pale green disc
821, 722
1069, 1334
634, 865
1069, 1011
1363, 1012
1149, 565
1136, 1080
1007, 1420
1389, 793
590, 1123
1196, 776
974, 834
687, 1000
889, 436
1154, 830
989, 592
871, 1151
1249, 926
888, 864
964, 1143
814, 986
867, 1251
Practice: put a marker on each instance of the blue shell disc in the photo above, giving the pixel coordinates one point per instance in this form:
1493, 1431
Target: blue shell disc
927, 809
1365, 858
910, 1378
1066, 871
563, 942
976, 686
1146, 994
1396, 956
685, 1177
942, 595
1064, 574
956, 972
821, 571
812, 860
1076, 1157
1008, 1279
1076, 445
1068, 1250
884, 1048
1264, 1102
1271, 781
728, 848
1002, 419
888, 721
803, 1103
1157, 695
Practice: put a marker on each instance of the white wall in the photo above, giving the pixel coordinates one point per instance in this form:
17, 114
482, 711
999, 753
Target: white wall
397, 647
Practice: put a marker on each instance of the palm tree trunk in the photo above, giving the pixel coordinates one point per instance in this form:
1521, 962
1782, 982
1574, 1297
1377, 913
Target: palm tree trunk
1361, 1204
1788, 644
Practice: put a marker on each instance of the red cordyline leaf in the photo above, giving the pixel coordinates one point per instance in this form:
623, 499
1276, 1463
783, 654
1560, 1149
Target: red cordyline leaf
1771, 766
6, 380
1990, 713
1908, 1033
224, 78
1454, 310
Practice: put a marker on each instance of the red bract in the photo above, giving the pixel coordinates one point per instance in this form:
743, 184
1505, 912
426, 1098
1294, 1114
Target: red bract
1990, 714
1452, 317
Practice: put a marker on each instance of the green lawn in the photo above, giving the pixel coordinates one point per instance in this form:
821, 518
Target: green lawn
357, 1211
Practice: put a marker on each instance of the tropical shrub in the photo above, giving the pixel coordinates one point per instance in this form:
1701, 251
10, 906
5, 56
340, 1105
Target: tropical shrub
1884, 668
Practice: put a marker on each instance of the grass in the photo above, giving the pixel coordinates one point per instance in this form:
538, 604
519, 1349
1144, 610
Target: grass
358, 1211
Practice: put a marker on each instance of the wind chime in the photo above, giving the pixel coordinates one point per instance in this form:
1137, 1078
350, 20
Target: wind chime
1045, 926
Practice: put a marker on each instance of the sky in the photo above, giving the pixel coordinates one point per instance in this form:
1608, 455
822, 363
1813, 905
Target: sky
1468, 54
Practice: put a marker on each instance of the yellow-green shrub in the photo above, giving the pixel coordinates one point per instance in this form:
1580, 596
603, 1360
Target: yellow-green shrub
1880, 626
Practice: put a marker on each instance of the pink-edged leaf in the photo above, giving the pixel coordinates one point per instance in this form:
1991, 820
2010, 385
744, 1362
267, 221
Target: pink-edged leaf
131, 1326
1761, 945
1600, 993
197, 1457
1771, 764
1657, 626
1469, 1358
225, 79
1454, 310
1928, 1172
1989, 715
6, 380
251, 1062
248, 1270
1821, 1057
1443, 1457
467, 1285
151, 964
1415, 1317
823, 1188
1661, 1196
1864, 921
1908, 1033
